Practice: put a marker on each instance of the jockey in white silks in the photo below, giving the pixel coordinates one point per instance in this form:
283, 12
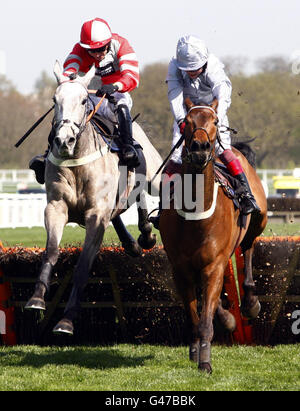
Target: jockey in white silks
200, 75
117, 65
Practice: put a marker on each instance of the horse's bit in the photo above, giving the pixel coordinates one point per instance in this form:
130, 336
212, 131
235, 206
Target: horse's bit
188, 156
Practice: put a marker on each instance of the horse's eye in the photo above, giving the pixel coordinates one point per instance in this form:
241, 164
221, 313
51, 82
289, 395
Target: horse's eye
216, 122
84, 101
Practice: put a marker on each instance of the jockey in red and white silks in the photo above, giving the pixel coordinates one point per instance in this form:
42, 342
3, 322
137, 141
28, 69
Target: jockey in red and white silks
212, 82
118, 64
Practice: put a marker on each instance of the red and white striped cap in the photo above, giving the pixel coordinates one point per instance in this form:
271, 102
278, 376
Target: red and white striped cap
95, 33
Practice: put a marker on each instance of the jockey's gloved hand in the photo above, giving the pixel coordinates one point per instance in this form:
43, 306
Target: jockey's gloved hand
107, 89
181, 125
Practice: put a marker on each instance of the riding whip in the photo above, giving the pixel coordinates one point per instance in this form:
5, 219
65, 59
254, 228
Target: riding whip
178, 144
33, 127
18, 143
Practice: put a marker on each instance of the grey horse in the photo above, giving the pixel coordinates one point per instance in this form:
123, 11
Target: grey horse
85, 184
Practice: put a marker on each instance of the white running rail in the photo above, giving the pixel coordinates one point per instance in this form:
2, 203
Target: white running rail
27, 210
22, 210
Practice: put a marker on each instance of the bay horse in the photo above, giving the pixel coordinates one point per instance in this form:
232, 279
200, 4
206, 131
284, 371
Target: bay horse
199, 245
85, 184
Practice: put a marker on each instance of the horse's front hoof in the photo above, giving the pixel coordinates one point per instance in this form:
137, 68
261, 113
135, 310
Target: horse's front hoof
147, 243
132, 249
35, 303
64, 327
206, 367
251, 311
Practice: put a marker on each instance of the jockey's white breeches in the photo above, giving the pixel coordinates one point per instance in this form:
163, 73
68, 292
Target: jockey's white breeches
108, 110
224, 136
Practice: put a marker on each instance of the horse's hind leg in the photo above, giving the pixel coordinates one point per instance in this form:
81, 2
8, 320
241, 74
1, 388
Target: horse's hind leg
146, 240
130, 245
250, 305
55, 220
225, 317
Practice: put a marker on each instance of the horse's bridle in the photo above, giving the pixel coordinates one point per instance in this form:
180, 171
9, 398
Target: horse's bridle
56, 125
188, 157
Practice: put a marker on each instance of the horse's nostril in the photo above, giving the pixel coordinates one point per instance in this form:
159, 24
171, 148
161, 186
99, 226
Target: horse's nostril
71, 140
206, 146
196, 146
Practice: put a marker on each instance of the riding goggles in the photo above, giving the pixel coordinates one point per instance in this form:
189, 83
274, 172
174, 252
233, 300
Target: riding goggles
100, 49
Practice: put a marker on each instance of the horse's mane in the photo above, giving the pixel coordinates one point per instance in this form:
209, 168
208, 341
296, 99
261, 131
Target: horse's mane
247, 151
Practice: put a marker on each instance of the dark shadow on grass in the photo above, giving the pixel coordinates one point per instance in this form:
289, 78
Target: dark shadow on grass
84, 357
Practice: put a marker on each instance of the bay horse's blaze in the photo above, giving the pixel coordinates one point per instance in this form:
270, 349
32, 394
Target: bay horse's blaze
199, 250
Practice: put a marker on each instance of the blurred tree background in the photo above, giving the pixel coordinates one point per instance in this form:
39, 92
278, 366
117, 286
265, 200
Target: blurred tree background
265, 106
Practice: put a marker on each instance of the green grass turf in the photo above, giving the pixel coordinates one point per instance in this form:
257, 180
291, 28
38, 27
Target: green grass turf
146, 368
36, 236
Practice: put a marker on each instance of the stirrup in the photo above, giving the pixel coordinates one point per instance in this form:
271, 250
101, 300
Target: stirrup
130, 156
248, 204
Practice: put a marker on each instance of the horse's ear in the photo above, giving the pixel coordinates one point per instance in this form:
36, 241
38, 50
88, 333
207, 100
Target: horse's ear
86, 79
189, 104
214, 104
58, 72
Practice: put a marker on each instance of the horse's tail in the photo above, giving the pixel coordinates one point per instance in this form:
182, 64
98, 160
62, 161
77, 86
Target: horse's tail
247, 151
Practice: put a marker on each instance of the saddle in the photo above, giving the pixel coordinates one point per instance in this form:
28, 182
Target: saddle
110, 134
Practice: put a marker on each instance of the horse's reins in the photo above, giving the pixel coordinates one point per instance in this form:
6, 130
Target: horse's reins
177, 145
181, 140
189, 153
96, 108
32, 128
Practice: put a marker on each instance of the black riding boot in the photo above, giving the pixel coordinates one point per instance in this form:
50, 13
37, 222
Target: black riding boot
129, 154
247, 199
37, 163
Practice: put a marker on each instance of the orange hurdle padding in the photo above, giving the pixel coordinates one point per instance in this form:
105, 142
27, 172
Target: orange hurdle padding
239, 259
9, 338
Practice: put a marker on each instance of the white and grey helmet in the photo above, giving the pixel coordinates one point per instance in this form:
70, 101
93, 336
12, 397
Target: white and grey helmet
191, 53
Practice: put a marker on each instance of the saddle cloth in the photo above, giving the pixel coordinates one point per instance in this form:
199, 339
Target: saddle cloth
229, 184
231, 187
